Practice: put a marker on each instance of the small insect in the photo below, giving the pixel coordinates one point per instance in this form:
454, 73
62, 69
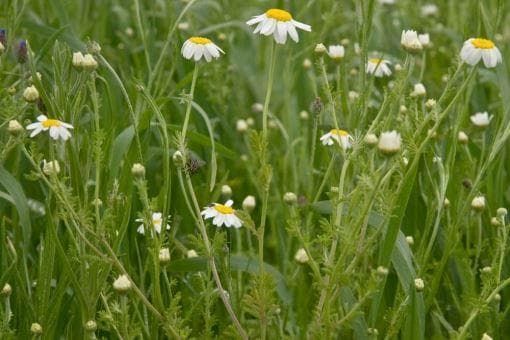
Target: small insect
193, 165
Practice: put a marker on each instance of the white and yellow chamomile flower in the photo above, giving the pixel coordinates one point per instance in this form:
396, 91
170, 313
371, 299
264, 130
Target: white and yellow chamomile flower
156, 222
279, 23
424, 39
200, 47
378, 67
58, 129
475, 49
481, 119
222, 214
342, 137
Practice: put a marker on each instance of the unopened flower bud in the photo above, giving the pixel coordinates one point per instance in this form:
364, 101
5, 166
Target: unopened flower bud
241, 125
429, 104
122, 284
89, 63
36, 328
178, 159
410, 240
2, 48
462, 137
419, 90
31, 94
419, 284
478, 203
15, 128
164, 255
51, 168
138, 170
353, 95
249, 203
371, 139
320, 49
90, 326
301, 256
290, 198
77, 60
382, 271
226, 190
398, 68
257, 107
486, 336
6, 290
501, 212
191, 254
304, 115
446, 202
402, 109
495, 222
183, 26
486, 270
307, 64
250, 121
93, 47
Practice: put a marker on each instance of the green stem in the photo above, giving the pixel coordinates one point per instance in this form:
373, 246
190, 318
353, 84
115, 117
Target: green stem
188, 107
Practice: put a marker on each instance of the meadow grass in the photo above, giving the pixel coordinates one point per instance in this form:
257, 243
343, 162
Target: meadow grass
390, 235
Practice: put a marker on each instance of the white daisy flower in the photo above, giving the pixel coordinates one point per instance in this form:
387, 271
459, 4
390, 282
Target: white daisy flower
157, 221
340, 136
222, 214
57, 128
476, 49
390, 142
378, 67
410, 41
198, 47
336, 52
481, 119
278, 23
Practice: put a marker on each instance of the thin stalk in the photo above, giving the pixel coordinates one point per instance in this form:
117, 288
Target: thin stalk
188, 107
212, 262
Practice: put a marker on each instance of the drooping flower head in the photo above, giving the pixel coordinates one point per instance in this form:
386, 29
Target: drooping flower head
342, 137
279, 23
22, 52
222, 214
476, 49
57, 128
198, 47
156, 222
378, 67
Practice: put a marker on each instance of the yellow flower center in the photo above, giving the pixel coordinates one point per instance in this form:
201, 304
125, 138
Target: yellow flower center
279, 14
376, 61
200, 40
484, 44
223, 209
50, 122
340, 133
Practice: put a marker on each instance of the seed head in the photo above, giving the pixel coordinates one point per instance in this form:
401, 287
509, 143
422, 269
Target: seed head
138, 170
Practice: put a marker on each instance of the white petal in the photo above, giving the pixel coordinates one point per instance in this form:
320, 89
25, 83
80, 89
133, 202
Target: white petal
199, 51
281, 31
490, 58
188, 51
141, 229
292, 32
54, 132
268, 27
256, 19
229, 203
36, 131
218, 220
42, 118
302, 26
207, 55
213, 50
34, 126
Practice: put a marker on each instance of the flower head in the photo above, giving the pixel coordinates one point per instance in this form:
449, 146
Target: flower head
156, 221
389, 142
342, 137
122, 284
57, 128
419, 90
31, 94
279, 23
410, 41
336, 52
301, 256
198, 47
478, 203
378, 67
476, 49
222, 214
481, 119
429, 10
51, 167
424, 39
